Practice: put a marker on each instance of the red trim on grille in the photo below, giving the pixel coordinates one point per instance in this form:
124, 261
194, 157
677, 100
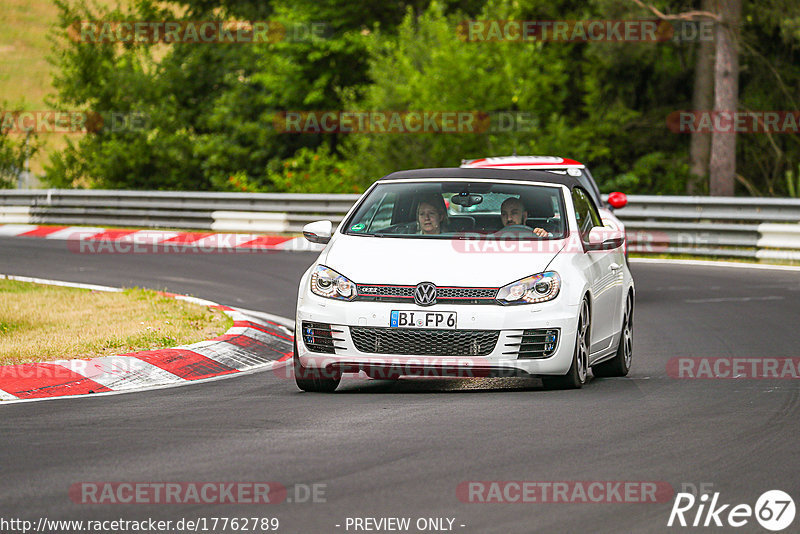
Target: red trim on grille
380, 285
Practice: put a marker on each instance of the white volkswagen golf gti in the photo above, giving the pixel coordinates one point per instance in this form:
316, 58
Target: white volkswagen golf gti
466, 272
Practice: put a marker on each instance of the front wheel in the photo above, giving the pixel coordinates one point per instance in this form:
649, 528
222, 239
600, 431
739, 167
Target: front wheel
620, 364
576, 376
314, 380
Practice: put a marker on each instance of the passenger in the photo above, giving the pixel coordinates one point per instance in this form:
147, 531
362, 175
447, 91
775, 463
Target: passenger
431, 215
513, 213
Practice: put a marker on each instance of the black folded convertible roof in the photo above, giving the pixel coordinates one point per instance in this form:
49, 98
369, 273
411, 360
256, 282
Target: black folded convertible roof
490, 174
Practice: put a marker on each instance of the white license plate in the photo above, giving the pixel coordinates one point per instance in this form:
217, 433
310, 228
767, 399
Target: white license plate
418, 319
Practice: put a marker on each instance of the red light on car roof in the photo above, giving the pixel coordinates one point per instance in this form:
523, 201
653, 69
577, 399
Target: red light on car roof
520, 162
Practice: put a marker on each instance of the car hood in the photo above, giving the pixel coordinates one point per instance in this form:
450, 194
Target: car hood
463, 263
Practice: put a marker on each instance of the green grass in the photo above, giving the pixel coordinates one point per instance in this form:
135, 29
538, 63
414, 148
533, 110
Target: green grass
44, 323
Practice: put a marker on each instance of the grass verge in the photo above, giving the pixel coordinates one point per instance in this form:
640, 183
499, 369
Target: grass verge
43, 323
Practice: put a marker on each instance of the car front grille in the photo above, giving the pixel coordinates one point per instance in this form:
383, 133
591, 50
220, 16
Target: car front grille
466, 292
386, 291
319, 337
444, 294
533, 344
424, 342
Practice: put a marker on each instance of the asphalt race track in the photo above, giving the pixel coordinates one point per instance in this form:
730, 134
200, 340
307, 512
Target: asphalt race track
385, 449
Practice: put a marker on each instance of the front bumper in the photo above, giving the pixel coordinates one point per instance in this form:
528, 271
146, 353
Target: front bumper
508, 321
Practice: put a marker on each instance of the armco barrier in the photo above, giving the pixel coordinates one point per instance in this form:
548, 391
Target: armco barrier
267, 212
779, 242
716, 226
767, 228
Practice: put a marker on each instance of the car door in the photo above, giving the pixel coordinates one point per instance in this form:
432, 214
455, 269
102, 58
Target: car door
604, 272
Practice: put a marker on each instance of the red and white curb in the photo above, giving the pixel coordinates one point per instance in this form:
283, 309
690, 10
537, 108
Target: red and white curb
256, 342
90, 240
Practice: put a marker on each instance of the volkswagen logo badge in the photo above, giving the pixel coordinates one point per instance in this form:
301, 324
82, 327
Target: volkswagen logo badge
425, 294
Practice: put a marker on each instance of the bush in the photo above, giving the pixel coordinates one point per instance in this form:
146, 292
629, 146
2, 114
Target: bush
656, 173
13, 156
316, 171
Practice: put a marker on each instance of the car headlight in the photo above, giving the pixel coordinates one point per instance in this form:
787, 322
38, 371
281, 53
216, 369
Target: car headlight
326, 282
537, 288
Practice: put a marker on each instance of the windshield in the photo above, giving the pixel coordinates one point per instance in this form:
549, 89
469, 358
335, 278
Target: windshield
450, 210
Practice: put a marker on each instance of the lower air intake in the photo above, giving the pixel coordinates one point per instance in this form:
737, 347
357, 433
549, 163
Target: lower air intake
424, 342
534, 344
319, 337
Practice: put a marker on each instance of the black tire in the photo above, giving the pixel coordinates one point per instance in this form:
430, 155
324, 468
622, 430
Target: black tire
620, 364
576, 376
314, 380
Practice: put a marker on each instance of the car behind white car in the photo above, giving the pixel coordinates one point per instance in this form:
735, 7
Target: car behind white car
557, 164
466, 272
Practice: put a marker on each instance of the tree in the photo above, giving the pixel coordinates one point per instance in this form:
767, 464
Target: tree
126, 79
702, 93
722, 169
702, 100
769, 163
602, 103
211, 108
14, 154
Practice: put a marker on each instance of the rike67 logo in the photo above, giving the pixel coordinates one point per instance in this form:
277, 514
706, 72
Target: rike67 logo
774, 510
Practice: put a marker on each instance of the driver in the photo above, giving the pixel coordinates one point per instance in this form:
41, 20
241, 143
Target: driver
513, 213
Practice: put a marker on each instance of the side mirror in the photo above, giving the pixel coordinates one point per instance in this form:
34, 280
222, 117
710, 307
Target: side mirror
318, 232
605, 238
617, 200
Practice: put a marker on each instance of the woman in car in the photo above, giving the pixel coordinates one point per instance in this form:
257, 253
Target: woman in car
431, 215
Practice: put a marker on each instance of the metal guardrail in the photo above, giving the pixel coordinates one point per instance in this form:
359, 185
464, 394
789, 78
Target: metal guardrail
766, 228
168, 209
714, 226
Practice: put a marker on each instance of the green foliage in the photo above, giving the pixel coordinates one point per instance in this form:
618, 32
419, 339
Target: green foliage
174, 94
316, 171
426, 67
14, 153
210, 109
769, 80
658, 172
793, 182
570, 92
